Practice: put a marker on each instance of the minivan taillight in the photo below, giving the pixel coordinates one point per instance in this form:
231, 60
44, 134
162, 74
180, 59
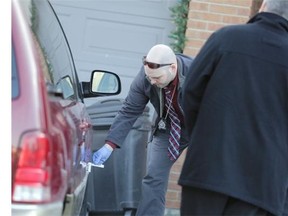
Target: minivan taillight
33, 174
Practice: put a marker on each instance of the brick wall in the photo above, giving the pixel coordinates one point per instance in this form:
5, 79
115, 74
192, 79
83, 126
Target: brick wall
206, 16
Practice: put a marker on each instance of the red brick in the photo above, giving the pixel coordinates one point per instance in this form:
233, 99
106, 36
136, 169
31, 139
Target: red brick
173, 204
196, 24
223, 9
205, 16
172, 195
235, 19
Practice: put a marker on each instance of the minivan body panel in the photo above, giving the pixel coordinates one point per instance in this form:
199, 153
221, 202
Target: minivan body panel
37, 110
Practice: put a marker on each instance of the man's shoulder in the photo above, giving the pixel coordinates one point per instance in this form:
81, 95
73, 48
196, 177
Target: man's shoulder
232, 31
184, 63
184, 57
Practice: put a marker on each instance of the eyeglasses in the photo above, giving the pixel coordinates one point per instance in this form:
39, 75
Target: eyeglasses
153, 65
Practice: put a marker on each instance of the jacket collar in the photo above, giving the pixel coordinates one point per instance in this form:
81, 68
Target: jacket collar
270, 20
181, 77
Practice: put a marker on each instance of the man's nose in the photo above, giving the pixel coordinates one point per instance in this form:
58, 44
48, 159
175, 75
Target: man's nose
153, 81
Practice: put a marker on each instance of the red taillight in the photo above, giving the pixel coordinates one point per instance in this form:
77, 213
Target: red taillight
33, 172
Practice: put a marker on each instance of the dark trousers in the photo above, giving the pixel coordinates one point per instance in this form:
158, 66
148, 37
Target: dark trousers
198, 202
155, 182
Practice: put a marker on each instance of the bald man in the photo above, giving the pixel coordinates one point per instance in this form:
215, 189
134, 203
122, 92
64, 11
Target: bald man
159, 81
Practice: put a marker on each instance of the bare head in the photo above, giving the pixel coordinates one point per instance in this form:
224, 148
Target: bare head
160, 65
279, 7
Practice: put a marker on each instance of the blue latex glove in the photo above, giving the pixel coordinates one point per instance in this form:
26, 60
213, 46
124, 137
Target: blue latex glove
100, 156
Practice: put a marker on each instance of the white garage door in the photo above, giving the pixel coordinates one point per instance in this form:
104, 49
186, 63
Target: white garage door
114, 34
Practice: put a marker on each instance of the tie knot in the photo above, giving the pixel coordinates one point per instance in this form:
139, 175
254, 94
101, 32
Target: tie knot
167, 90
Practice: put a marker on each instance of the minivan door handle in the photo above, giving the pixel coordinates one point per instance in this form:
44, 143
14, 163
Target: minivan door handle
84, 126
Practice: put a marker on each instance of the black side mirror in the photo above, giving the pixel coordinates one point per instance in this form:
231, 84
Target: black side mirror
102, 83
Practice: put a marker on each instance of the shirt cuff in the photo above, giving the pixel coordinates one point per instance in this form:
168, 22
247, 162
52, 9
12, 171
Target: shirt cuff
113, 145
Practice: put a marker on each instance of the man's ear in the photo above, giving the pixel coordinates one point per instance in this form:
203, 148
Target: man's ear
173, 68
263, 6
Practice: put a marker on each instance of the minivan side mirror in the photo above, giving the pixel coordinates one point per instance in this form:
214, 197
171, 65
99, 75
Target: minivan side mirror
102, 83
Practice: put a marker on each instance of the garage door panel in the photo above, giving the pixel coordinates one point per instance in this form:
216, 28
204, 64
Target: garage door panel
125, 72
110, 41
114, 34
146, 8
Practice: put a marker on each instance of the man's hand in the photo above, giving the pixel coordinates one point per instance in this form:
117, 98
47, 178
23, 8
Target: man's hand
100, 156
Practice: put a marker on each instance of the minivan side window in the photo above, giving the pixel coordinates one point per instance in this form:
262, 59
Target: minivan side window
15, 79
61, 70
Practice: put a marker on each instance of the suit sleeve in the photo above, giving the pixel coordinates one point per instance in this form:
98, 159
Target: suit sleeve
131, 109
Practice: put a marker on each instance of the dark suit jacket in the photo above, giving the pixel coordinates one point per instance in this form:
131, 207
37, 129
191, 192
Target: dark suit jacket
235, 103
140, 93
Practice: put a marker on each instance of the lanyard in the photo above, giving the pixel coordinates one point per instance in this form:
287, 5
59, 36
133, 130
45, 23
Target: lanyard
162, 102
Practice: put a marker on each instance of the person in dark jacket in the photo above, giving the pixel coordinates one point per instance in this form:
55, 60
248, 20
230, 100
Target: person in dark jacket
235, 103
162, 72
